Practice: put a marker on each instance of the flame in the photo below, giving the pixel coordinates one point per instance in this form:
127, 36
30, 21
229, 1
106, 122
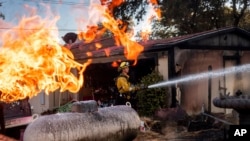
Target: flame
157, 9
107, 51
131, 48
145, 34
31, 60
153, 12
98, 45
111, 4
90, 35
116, 63
89, 54
102, 13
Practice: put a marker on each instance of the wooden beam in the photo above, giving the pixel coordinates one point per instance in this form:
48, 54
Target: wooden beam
116, 57
207, 47
171, 75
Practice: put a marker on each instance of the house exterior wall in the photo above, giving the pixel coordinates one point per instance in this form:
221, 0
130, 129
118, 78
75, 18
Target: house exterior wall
39, 103
195, 93
43, 102
245, 59
229, 39
163, 64
163, 69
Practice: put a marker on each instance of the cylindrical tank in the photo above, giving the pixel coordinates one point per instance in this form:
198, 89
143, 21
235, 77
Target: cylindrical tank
117, 123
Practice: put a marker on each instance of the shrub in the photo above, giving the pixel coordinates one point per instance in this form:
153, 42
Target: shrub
149, 100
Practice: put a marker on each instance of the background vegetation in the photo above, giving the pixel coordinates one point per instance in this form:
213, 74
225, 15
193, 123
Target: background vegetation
149, 100
181, 17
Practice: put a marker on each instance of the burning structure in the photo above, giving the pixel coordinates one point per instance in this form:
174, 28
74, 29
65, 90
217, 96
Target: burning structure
33, 63
196, 53
44, 66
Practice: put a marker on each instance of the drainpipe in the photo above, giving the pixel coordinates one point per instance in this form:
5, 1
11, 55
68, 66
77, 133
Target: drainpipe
209, 88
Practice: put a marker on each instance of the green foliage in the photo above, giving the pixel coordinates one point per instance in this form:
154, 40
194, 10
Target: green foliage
65, 108
150, 100
129, 9
181, 17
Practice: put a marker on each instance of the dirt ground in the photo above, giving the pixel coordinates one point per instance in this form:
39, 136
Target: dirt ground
172, 134
174, 125
210, 130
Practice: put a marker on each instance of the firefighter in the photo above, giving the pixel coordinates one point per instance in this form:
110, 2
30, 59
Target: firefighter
124, 87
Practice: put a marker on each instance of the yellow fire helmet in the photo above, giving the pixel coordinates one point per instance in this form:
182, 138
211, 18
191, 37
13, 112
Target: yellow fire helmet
123, 65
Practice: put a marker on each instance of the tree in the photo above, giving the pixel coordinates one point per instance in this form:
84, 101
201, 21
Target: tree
1, 14
129, 9
191, 16
239, 8
181, 17
245, 21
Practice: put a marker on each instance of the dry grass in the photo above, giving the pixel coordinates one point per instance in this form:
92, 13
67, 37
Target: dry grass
171, 131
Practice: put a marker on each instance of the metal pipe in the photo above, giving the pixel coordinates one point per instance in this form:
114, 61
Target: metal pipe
209, 88
221, 120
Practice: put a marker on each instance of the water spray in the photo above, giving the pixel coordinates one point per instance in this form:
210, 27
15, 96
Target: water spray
212, 74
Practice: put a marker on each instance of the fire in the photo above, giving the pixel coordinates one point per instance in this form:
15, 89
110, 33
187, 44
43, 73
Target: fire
153, 12
89, 54
116, 63
112, 3
132, 49
90, 35
102, 13
98, 45
31, 60
107, 52
156, 8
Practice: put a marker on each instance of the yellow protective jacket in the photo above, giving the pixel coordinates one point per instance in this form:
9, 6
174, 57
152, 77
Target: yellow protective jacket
123, 85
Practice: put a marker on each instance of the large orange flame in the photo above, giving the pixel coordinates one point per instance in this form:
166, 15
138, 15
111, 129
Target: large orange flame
101, 12
153, 12
31, 60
